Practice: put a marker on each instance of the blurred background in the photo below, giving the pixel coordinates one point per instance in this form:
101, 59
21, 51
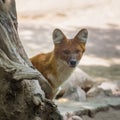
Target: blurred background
38, 18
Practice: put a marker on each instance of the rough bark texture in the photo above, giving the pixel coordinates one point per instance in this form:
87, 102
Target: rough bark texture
21, 97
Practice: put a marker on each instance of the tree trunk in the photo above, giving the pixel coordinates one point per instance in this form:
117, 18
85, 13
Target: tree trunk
21, 97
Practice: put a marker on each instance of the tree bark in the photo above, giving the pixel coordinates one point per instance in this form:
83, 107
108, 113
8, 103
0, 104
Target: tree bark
21, 97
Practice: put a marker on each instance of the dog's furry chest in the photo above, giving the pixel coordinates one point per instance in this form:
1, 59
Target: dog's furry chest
63, 72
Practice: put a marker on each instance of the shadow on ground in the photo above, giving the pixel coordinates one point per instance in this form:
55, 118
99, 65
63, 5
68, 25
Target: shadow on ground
102, 43
103, 73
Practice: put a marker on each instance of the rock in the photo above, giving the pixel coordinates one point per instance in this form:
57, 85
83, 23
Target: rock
37, 118
109, 88
94, 91
79, 78
75, 93
74, 88
70, 116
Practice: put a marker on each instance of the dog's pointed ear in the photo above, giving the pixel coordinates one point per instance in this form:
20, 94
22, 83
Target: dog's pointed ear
58, 36
82, 36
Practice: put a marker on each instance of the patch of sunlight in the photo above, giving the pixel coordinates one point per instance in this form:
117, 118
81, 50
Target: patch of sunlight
89, 107
26, 32
33, 46
63, 100
108, 86
90, 60
27, 37
115, 60
117, 47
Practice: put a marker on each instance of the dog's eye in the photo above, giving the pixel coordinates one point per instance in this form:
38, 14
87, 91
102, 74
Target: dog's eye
77, 51
67, 52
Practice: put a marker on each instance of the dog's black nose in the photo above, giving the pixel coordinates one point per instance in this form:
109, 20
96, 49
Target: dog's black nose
73, 62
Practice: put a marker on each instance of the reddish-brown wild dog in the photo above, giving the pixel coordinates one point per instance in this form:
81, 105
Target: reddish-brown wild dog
57, 66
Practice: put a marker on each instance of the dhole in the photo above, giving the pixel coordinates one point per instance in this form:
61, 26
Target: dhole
57, 66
